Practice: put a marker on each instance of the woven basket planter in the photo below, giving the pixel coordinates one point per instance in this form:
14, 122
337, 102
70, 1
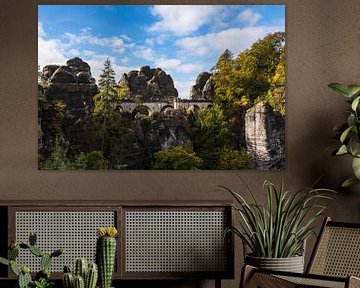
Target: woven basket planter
291, 264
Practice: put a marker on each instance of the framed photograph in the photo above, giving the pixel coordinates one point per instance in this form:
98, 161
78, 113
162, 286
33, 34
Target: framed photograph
169, 87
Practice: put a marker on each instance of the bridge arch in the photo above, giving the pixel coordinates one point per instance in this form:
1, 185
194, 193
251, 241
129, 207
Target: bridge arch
195, 108
167, 109
141, 111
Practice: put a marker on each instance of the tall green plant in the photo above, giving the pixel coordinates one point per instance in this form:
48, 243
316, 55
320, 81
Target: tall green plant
279, 229
349, 132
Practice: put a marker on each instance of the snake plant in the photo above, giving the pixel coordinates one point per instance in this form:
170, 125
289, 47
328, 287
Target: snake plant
349, 132
279, 228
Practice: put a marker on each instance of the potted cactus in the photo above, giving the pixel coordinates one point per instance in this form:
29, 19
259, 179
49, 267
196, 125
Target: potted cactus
106, 254
84, 275
42, 278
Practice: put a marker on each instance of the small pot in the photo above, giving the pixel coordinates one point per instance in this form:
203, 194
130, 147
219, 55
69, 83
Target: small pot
291, 264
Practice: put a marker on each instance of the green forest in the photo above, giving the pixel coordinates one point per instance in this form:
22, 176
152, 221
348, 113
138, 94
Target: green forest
99, 135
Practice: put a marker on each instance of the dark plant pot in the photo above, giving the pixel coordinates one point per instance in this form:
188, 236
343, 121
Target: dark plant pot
291, 264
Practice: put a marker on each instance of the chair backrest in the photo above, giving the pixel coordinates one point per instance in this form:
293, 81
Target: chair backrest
337, 251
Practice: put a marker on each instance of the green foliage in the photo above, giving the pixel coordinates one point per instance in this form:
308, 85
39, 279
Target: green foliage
212, 134
106, 81
57, 159
231, 159
252, 74
43, 283
276, 94
279, 229
106, 106
349, 132
90, 161
123, 92
42, 278
177, 158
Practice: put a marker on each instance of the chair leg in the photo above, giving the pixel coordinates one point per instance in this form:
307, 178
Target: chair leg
250, 278
246, 274
354, 282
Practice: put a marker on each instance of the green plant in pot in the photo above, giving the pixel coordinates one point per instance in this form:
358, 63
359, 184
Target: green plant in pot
275, 233
349, 131
42, 278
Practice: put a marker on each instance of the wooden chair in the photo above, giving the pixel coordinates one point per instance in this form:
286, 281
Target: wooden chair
334, 263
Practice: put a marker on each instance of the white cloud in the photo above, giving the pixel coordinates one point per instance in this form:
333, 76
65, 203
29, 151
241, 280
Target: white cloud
116, 43
41, 31
124, 60
182, 19
53, 51
183, 88
168, 63
249, 17
189, 68
235, 39
158, 40
178, 66
144, 52
50, 51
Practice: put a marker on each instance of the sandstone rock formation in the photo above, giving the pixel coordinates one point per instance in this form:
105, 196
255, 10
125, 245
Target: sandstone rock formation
203, 88
73, 86
152, 84
265, 137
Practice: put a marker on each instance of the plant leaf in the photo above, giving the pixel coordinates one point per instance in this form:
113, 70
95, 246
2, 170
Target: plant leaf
342, 150
345, 134
355, 103
356, 167
353, 89
349, 182
4, 261
340, 88
351, 120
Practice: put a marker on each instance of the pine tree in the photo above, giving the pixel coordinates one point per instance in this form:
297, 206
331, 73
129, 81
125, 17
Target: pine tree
106, 81
106, 102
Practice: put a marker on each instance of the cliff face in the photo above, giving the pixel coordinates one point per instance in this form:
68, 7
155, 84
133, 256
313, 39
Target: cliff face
69, 92
265, 137
203, 88
152, 84
147, 136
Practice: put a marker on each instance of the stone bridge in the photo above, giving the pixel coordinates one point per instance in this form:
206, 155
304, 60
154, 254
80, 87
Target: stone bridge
150, 108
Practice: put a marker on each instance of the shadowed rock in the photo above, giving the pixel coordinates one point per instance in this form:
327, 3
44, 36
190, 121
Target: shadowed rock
203, 88
149, 83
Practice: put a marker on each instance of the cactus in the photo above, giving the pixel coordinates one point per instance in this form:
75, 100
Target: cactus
105, 255
4, 261
24, 280
14, 268
36, 251
79, 282
91, 276
68, 280
57, 252
32, 239
89, 272
44, 273
13, 253
23, 273
80, 268
45, 261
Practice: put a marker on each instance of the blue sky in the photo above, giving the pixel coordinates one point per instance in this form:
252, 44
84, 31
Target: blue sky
183, 40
